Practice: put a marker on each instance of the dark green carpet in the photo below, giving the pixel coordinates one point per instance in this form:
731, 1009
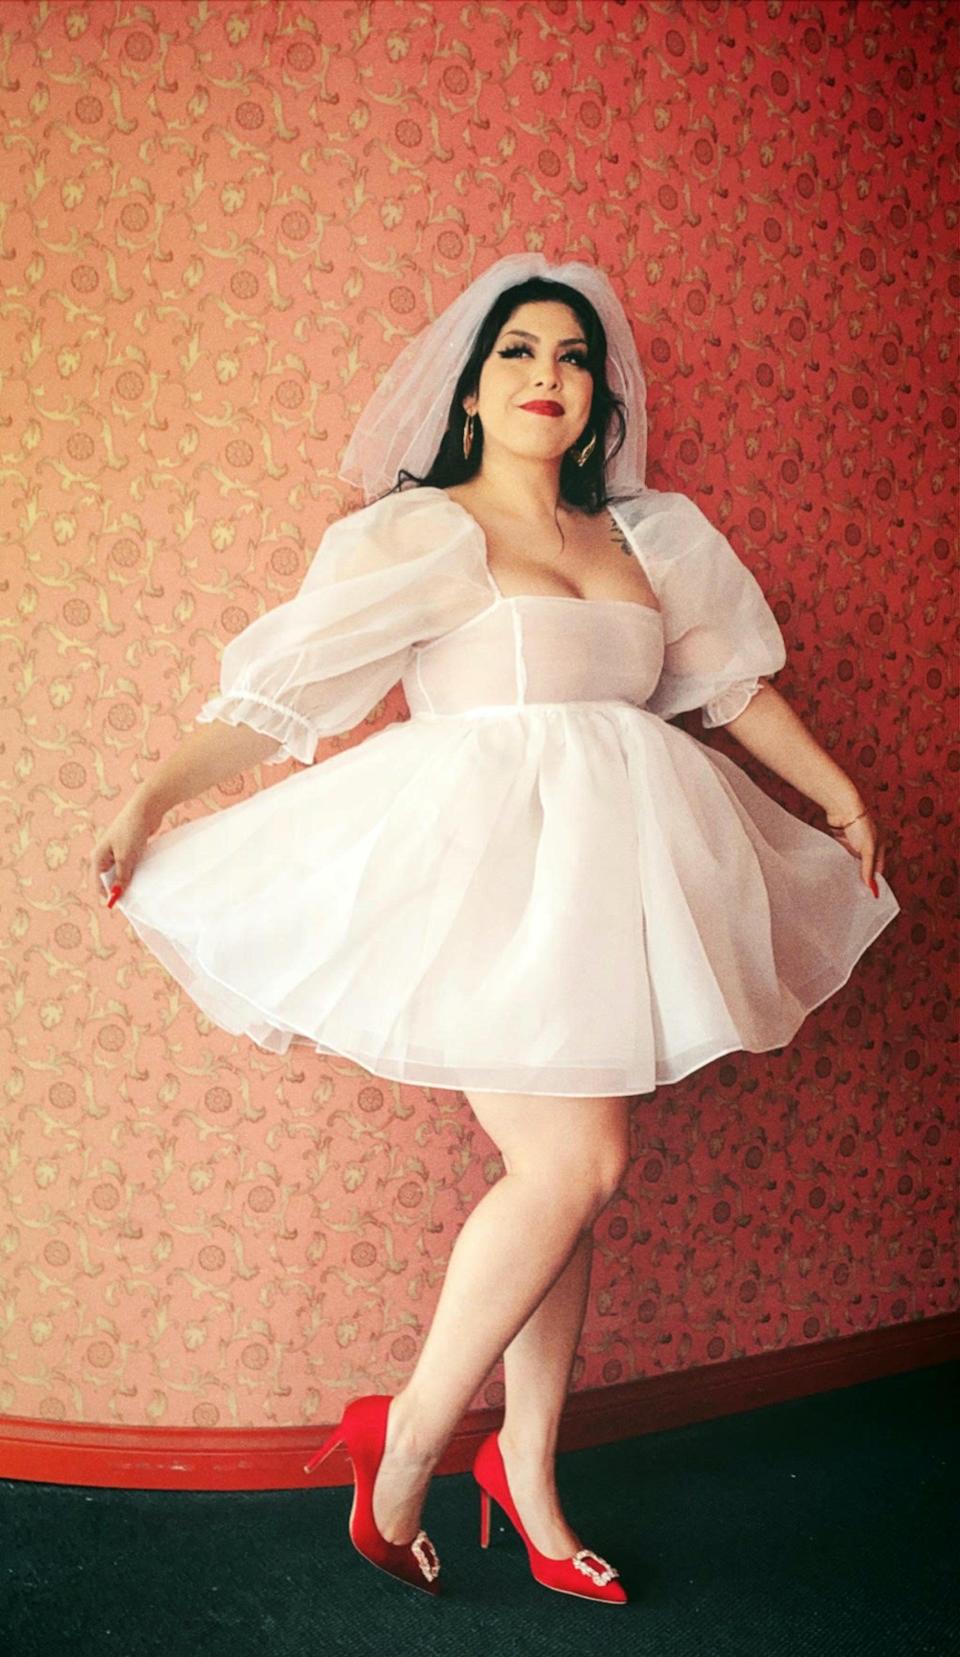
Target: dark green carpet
825, 1527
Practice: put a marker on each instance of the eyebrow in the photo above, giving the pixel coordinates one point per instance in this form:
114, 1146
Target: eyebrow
578, 340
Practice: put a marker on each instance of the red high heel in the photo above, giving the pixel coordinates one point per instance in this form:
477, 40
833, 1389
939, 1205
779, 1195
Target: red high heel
584, 1573
363, 1429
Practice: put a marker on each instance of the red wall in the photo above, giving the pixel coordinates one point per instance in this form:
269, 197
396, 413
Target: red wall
221, 229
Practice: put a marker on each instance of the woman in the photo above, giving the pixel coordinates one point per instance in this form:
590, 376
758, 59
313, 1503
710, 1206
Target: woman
535, 890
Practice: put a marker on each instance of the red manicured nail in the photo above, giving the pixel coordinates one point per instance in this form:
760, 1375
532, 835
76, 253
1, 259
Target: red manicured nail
114, 894
873, 887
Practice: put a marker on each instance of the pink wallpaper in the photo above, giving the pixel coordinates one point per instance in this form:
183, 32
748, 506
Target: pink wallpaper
220, 223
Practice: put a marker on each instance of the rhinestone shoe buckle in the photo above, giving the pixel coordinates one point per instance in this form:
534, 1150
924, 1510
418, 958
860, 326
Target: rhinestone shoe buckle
430, 1567
580, 1560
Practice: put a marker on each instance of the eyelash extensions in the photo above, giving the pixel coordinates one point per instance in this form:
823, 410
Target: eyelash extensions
512, 350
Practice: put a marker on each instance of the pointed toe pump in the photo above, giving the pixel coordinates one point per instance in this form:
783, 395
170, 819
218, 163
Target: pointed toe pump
363, 1430
584, 1573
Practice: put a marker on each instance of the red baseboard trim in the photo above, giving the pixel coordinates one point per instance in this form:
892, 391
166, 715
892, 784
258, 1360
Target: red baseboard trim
272, 1458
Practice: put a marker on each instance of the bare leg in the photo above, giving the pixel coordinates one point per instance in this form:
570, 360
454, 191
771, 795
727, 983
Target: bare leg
537, 1367
564, 1157
539, 1360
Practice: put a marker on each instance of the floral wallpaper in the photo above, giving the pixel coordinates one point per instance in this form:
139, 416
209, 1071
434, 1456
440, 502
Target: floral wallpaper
219, 224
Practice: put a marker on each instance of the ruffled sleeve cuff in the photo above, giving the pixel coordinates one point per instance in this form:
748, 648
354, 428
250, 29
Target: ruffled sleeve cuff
731, 702
295, 735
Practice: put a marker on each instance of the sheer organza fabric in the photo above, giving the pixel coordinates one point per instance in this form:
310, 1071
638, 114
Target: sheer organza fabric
391, 577
535, 884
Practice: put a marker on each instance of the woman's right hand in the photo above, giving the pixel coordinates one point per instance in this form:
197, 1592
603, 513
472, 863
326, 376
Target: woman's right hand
200, 760
121, 844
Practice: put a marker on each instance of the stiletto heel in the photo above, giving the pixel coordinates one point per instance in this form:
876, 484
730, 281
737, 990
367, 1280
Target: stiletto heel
363, 1429
566, 1576
324, 1450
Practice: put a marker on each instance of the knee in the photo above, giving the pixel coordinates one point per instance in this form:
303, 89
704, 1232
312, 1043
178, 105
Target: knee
576, 1151
592, 1177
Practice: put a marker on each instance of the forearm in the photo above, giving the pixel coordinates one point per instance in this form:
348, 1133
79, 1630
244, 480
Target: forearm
205, 757
770, 730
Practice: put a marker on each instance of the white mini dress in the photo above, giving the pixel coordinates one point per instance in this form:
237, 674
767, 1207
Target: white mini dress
534, 884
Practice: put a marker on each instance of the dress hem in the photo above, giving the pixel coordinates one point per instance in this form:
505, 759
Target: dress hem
184, 969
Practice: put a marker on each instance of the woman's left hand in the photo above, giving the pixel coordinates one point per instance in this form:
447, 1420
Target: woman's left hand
862, 839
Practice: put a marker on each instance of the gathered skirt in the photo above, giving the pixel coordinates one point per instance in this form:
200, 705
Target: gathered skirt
561, 899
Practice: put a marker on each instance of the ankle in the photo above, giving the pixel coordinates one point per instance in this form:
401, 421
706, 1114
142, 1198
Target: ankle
410, 1435
531, 1449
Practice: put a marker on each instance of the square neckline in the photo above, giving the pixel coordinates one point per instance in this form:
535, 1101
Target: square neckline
552, 598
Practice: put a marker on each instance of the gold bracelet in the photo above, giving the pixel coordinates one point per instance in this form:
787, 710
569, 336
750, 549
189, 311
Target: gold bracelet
841, 828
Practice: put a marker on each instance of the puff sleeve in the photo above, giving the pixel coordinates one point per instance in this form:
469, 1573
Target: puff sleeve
721, 638
384, 578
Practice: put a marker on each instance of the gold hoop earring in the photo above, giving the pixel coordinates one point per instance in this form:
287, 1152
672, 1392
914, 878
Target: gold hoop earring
584, 454
467, 437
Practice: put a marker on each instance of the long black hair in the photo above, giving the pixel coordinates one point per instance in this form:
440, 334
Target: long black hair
580, 486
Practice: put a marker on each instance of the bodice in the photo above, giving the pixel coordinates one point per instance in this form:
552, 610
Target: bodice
535, 648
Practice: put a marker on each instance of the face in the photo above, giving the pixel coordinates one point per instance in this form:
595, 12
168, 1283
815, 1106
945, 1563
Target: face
539, 356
